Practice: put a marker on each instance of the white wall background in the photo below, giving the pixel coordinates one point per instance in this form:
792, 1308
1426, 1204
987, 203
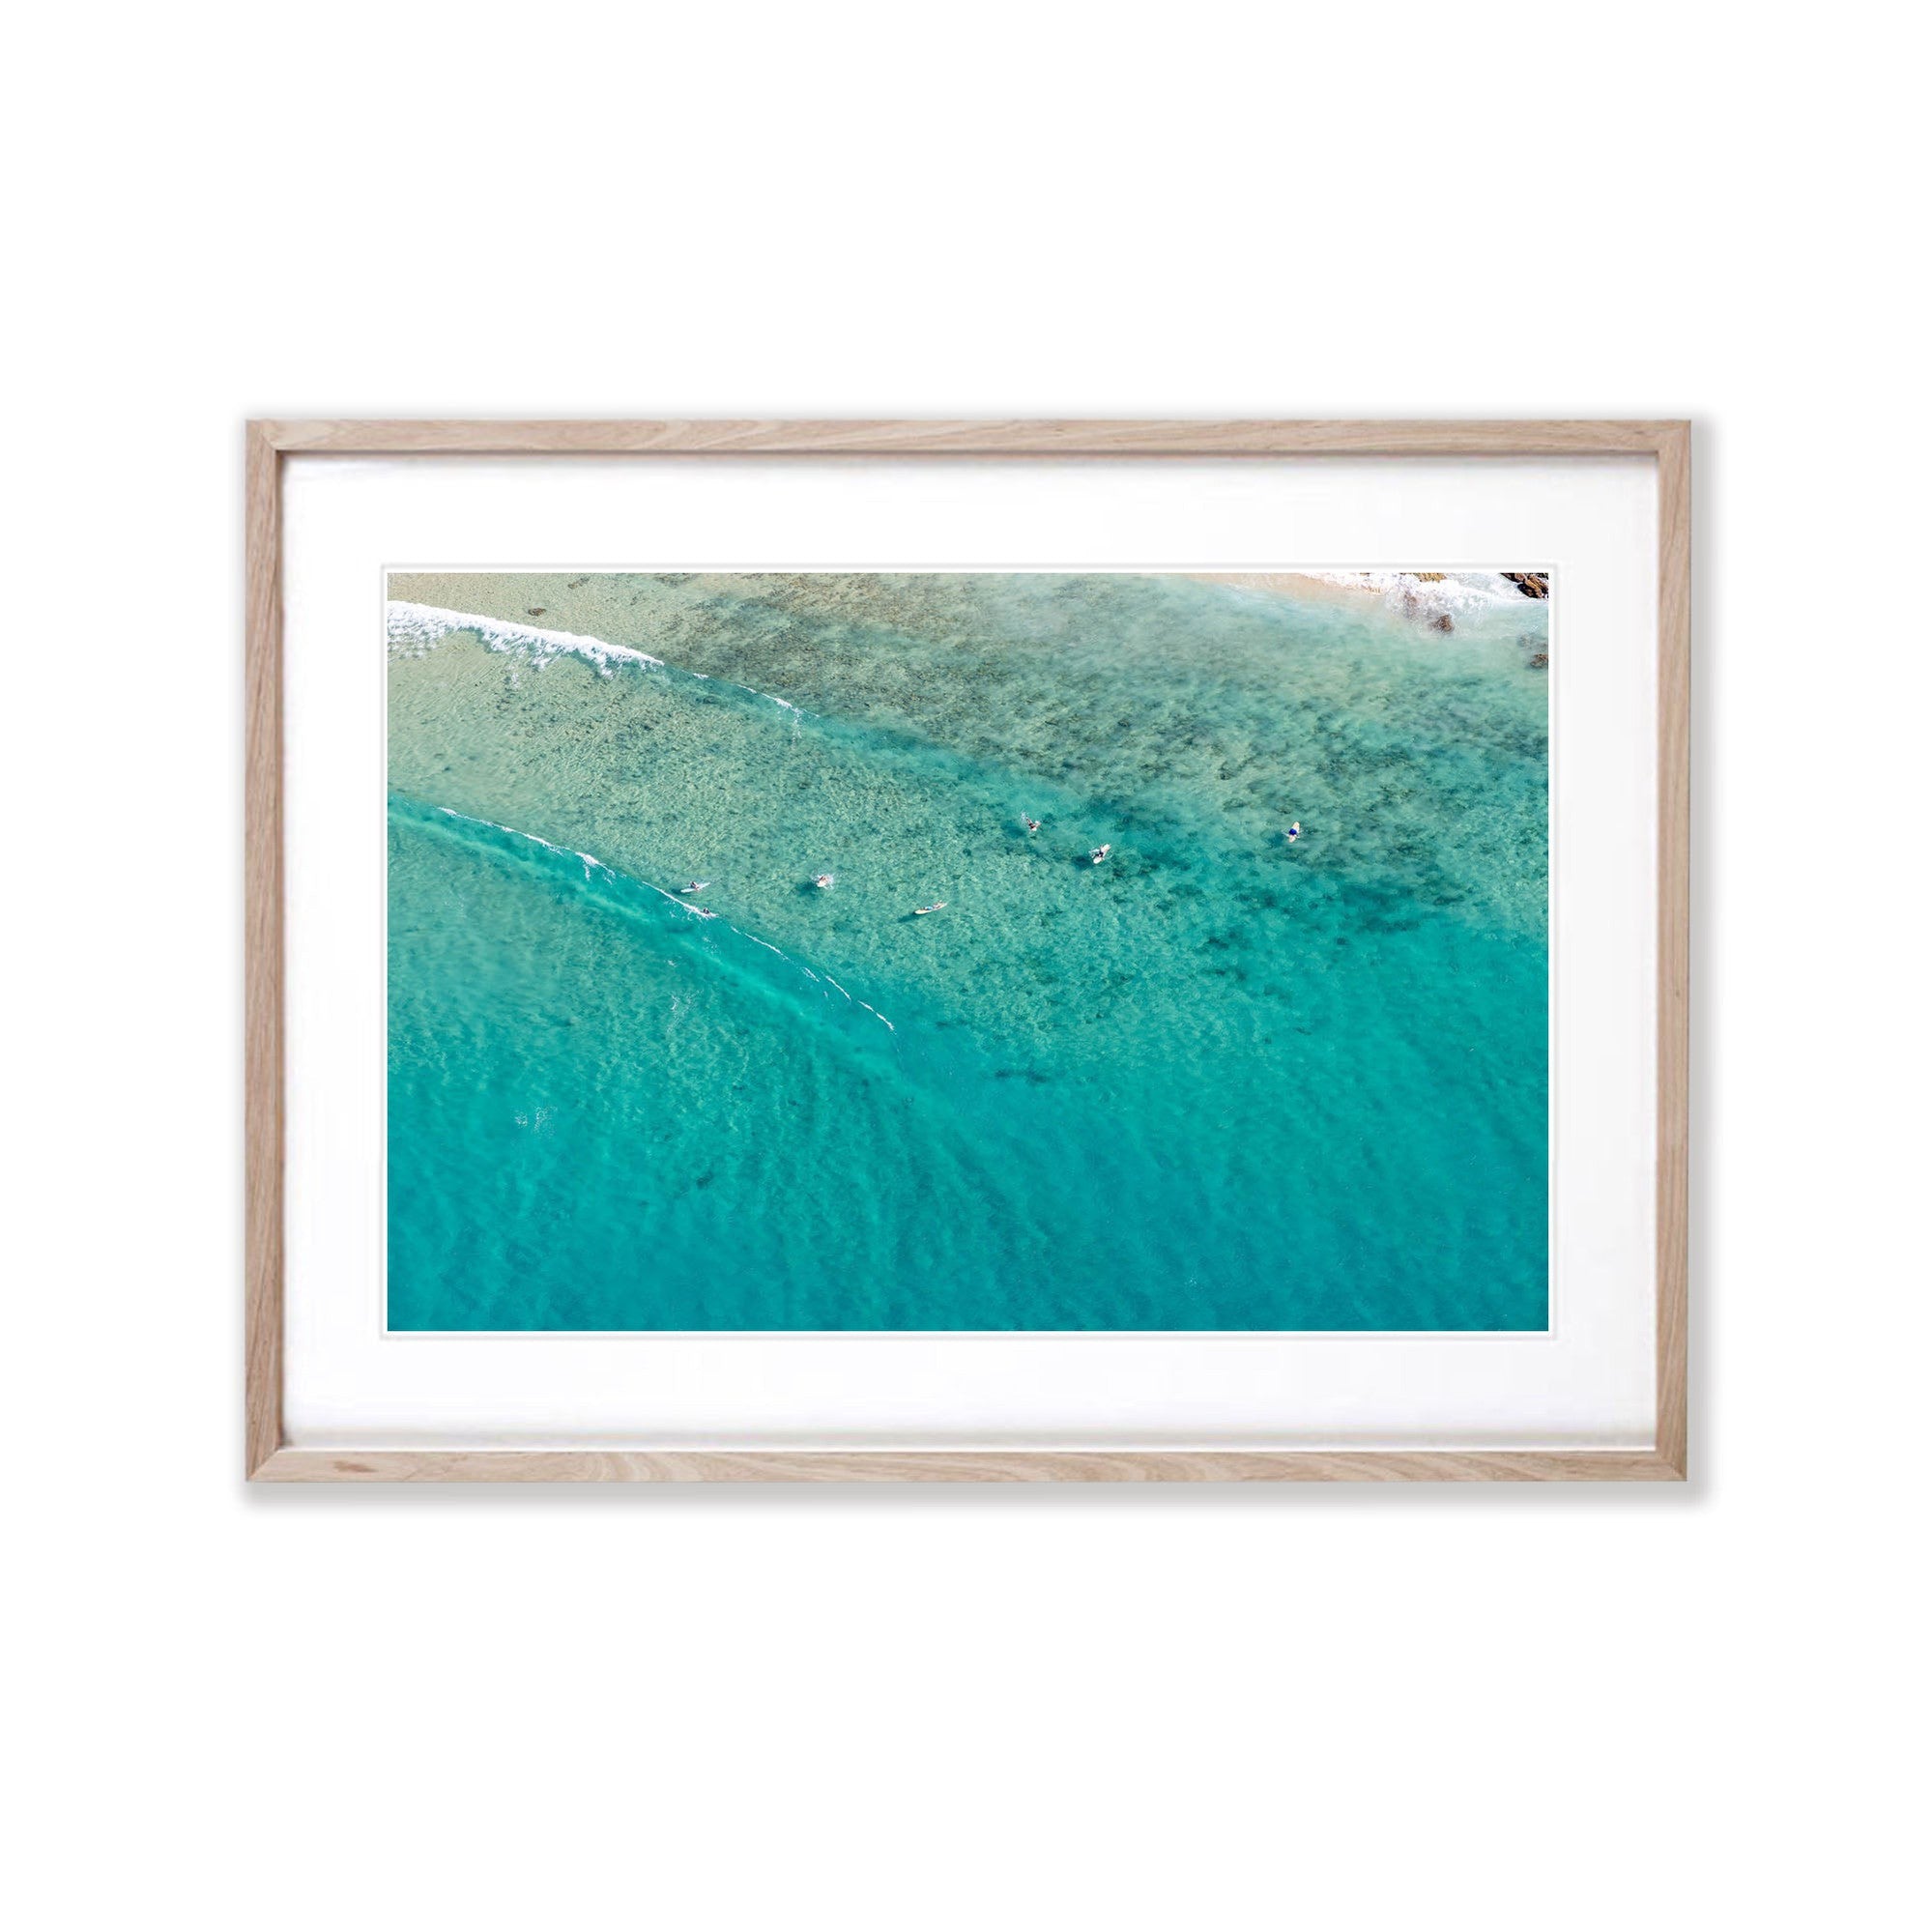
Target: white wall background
897, 1709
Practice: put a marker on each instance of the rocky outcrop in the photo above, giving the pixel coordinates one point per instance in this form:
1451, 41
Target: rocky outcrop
1530, 583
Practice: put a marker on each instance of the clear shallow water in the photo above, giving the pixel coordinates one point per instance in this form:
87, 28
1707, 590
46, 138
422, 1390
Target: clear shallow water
1218, 1082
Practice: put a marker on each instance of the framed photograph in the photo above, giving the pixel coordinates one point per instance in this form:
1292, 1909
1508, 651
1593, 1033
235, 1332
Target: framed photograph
967, 951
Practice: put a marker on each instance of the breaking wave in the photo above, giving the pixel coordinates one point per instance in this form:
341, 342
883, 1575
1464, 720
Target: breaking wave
414, 629
621, 891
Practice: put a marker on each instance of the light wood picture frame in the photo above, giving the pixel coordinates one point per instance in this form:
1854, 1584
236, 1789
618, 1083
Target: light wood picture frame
268, 1456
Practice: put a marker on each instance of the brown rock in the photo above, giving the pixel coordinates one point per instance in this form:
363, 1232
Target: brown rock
1530, 583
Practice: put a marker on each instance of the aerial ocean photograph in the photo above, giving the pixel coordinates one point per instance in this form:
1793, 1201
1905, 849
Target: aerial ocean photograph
969, 950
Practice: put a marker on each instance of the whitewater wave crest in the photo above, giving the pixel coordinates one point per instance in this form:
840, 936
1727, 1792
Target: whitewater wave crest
414, 629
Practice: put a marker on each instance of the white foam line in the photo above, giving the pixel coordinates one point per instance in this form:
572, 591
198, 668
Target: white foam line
509, 831
683, 906
590, 861
423, 626
687, 906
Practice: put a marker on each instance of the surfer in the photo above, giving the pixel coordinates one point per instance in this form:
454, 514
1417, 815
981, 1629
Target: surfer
937, 906
1031, 824
1295, 831
696, 885
823, 882
1098, 853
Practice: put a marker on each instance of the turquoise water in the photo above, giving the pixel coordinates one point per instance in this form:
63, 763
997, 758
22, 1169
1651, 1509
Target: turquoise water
1222, 1080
